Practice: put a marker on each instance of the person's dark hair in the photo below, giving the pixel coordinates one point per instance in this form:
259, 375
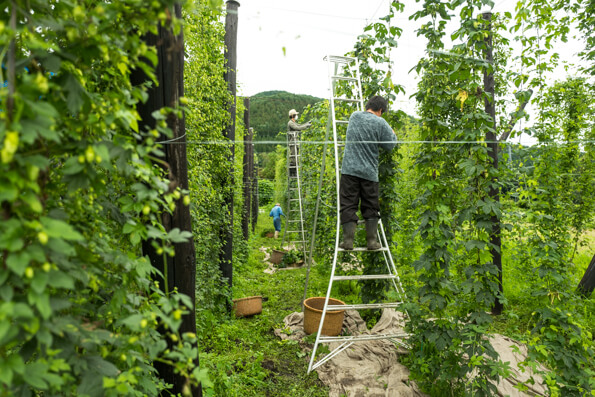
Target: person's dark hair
377, 103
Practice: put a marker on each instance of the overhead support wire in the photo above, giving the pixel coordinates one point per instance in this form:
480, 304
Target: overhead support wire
241, 142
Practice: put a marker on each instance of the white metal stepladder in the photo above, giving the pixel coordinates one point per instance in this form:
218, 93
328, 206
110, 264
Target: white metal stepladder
294, 223
346, 69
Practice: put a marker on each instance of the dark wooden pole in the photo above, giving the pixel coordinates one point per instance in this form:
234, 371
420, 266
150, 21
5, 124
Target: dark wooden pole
587, 283
247, 175
491, 137
181, 269
231, 35
254, 182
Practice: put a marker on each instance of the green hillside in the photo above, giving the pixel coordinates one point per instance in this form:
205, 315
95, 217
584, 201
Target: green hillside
269, 114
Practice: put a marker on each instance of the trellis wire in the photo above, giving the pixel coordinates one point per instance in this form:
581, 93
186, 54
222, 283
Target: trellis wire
282, 143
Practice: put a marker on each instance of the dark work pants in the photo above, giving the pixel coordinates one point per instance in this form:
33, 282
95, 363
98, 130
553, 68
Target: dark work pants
352, 192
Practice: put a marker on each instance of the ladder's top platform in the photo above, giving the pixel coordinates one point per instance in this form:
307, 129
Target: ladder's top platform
339, 59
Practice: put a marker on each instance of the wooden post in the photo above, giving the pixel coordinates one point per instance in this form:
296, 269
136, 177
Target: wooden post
247, 175
181, 269
587, 283
254, 182
491, 137
231, 35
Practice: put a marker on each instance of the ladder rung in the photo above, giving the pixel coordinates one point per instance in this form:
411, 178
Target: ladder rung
347, 99
362, 249
344, 78
356, 338
342, 121
339, 59
366, 277
363, 306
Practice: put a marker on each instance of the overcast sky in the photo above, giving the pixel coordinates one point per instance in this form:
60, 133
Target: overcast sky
281, 43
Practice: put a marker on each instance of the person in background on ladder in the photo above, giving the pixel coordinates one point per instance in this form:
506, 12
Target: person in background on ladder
276, 213
293, 137
366, 133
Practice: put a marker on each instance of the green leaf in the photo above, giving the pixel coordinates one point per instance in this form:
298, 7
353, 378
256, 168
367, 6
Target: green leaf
8, 192
10, 235
42, 303
74, 91
4, 328
16, 363
5, 371
58, 279
44, 336
133, 321
22, 310
18, 262
32, 201
91, 385
6, 292
102, 367
34, 373
73, 166
177, 236
60, 229
39, 282
103, 152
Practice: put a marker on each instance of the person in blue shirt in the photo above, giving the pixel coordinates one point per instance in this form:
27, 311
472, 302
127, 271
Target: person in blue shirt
367, 132
276, 213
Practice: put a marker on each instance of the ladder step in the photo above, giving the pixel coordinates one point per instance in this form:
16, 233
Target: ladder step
342, 121
347, 99
362, 249
339, 59
363, 306
356, 338
366, 277
344, 78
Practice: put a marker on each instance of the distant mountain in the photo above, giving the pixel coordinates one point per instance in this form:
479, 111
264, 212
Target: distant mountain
269, 113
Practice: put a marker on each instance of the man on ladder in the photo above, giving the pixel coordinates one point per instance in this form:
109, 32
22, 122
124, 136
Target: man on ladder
366, 133
357, 181
293, 137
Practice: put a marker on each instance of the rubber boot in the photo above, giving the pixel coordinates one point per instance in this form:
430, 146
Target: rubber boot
348, 235
372, 233
276, 234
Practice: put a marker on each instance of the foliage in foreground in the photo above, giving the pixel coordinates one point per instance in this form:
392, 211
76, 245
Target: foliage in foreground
79, 191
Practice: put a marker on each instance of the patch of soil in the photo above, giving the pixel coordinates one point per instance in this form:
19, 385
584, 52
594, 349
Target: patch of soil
277, 369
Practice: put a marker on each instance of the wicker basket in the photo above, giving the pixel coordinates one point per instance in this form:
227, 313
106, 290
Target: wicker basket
249, 306
333, 319
277, 256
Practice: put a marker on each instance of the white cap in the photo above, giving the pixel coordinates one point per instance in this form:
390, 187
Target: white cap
292, 112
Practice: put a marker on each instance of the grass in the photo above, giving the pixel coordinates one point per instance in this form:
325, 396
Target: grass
243, 356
